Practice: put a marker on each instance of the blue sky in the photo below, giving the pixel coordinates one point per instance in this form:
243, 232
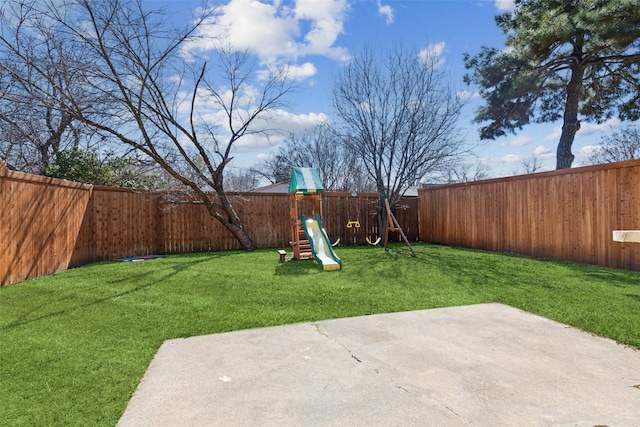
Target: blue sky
317, 36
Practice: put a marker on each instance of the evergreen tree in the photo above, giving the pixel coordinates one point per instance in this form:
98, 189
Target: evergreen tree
569, 59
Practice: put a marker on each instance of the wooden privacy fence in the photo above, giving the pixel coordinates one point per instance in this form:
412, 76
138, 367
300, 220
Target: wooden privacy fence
566, 215
49, 225
40, 224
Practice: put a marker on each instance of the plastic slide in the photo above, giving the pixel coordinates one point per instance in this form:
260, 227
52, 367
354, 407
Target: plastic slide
320, 244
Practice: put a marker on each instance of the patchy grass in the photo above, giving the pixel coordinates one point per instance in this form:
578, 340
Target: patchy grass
74, 345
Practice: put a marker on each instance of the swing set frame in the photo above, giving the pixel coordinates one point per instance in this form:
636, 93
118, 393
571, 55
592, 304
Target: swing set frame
393, 225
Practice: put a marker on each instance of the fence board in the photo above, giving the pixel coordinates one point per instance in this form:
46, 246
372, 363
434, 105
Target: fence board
567, 215
40, 219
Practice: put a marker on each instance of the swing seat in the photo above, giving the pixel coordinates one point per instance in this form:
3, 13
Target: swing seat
355, 224
373, 243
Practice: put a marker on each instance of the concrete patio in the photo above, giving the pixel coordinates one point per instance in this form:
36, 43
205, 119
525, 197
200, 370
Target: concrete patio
486, 364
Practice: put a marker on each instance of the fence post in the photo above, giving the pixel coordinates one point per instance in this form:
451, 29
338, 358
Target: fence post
3, 173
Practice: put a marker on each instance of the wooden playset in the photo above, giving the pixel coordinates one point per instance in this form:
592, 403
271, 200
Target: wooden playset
308, 238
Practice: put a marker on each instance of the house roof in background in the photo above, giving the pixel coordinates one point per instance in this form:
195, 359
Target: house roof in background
278, 187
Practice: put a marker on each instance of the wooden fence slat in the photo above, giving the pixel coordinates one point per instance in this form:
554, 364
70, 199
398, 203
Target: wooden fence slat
568, 214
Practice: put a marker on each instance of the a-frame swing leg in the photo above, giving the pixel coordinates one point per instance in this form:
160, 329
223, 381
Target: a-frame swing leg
392, 225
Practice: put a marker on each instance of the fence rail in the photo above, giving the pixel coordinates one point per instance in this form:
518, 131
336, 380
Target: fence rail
49, 225
566, 215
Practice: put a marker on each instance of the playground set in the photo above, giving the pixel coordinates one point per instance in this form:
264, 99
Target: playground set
309, 239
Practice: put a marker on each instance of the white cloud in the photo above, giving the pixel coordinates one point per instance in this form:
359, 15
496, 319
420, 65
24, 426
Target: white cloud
283, 124
254, 142
303, 71
274, 31
555, 135
513, 158
587, 128
386, 11
520, 162
504, 4
296, 123
271, 127
432, 55
466, 94
584, 153
366, 106
248, 24
543, 152
590, 128
519, 141
588, 150
265, 156
295, 72
326, 20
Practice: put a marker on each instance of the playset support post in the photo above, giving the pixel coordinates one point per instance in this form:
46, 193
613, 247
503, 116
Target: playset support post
393, 225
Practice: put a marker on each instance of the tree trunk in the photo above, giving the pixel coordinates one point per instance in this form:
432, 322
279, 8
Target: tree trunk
382, 218
233, 224
232, 221
564, 156
241, 236
222, 212
571, 125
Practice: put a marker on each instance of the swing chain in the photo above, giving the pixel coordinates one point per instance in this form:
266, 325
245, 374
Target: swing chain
355, 223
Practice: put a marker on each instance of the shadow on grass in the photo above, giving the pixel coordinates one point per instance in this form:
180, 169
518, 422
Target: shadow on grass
618, 278
297, 268
633, 296
391, 265
147, 278
357, 260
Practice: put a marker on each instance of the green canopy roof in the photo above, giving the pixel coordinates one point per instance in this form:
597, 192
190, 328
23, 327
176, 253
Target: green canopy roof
305, 181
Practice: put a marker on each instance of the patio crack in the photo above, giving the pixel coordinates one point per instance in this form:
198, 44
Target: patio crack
353, 356
356, 358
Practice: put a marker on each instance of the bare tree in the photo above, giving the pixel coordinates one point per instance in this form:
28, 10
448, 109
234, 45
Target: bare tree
145, 89
617, 147
241, 180
277, 168
465, 171
321, 148
399, 114
33, 133
32, 136
529, 165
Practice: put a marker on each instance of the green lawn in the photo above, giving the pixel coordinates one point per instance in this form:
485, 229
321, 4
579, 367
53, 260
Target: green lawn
74, 345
